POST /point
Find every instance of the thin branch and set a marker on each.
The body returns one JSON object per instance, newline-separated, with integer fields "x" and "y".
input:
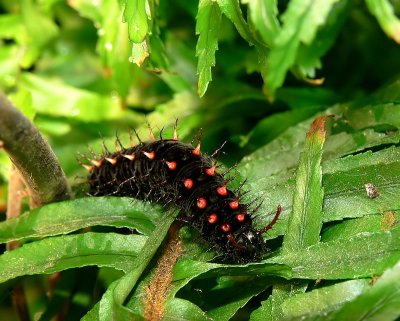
{"x": 32, "y": 155}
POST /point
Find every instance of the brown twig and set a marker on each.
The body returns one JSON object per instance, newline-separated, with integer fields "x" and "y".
{"x": 32, "y": 155}
{"x": 157, "y": 290}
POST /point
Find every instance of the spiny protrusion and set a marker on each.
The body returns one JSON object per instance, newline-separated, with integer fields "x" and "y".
{"x": 234, "y": 204}
{"x": 150, "y": 155}
{"x": 175, "y": 136}
{"x": 196, "y": 151}
{"x": 87, "y": 167}
{"x": 188, "y": 183}
{"x": 96, "y": 162}
{"x": 240, "y": 217}
{"x": 211, "y": 171}
{"x": 201, "y": 203}
{"x": 222, "y": 190}
{"x": 152, "y": 137}
{"x": 118, "y": 144}
{"x": 225, "y": 227}
{"x": 131, "y": 157}
{"x": 113, "y": 161}
{"x": 212, "y": 218}
{"x": 171, "y": 165}
{"x": 132, "y": 144}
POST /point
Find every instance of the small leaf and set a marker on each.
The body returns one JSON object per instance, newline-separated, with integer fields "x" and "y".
{"x": 300, "y": 23}
{"x": 136, "y": 17}
{"x": 264, "y": 15}
{"x": 64, "y": 252}
{"x": 384, "y": 12}
{"x": 68, "y": 216}
{"x": 207, "y": 27}
{"x": 305, "y": 221}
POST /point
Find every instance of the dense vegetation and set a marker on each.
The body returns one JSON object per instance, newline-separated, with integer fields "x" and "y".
{"x": 253, "y": 73}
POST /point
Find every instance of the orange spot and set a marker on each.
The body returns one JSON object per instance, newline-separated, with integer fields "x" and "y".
{"x": 211, "y": 171}
{"x": 188, "y": 183}
{"x": 171, "y": 165}
{"x": 225, "y": 227}
{"x": 96, "y": 163}
{"x": 196, "y": 151}
{"x": 222, "y": 190}
{"x": 201, "y": 202}
{"x": 234, "y": 205}
{"x": 150, "y": 155}
{"x": 113, "y": 161}
{"x": 240, "y": 217}
{"x": 213, "y": 218}
{"x": 130, "y": 157}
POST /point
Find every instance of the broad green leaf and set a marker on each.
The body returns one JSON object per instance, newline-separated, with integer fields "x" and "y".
{"x": 352, "y": 227}
{"x": 207, "y": 27}
{"x": 271, "y": 309}
{"x": 325, "y": 299}
{"x": 179, "y": 309}
{"x": 81, "y": 104}
{"x": 68, "y": 216}
{"x": 264, "y": 16}
{"x": 65, "y": 252}
{"x": 305, "y": 220}
{"x": 359, "y": 256}
{"x": 385, "y": 14}
{"x": 379, "y": 302}
{"x": 231, "y": 294}
{"x": 301, "y": 21}
{"x": 135, "y": 16}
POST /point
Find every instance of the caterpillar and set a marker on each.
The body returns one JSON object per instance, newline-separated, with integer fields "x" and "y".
{"x": 169, "y": 171}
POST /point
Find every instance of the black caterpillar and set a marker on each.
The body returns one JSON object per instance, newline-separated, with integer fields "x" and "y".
{"x": 169, "y": 171}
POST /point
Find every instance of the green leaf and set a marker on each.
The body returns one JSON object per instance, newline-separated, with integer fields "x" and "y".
{"x": 301, "y": 21}
{"x": 81, "y": 104}
{"x": 68, "y": 216}
{"x": 305, "y": 221}
{"x": 264, "y": 16}
{"x": 232, "y": 10}
{"x": 385, "y": 14}
{"x": 359, "y": 256}
{"x": 179, "y": 309}
{"x": 64, "y": 252}
{"x": 379, "y": 302}
{"x": 112, "y": 300}
{"x": 136, "y": 16}
{"x": 207, "y": 27}
{"x": 324, "y": 299}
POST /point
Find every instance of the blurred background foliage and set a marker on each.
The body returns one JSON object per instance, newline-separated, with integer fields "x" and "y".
{"x": 244, "y": 71}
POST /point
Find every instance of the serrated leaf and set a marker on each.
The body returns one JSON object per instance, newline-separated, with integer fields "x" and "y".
{"x": 264, "y": 16}
{"x": 324, "y": 299}
{"x": 380, "y": 302}
{"x": 64, "y": 252}
{"x": 301, "y": 21}
{"x": 136, "y": 17}
{"x": 385, "y": 14}
{"x": 68, "y": 216}
{"x": 231, "y": 9}
{"x": 207, "y": 27}
{"x": 360, "y": 256}
{"x": 305, "y": 220}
